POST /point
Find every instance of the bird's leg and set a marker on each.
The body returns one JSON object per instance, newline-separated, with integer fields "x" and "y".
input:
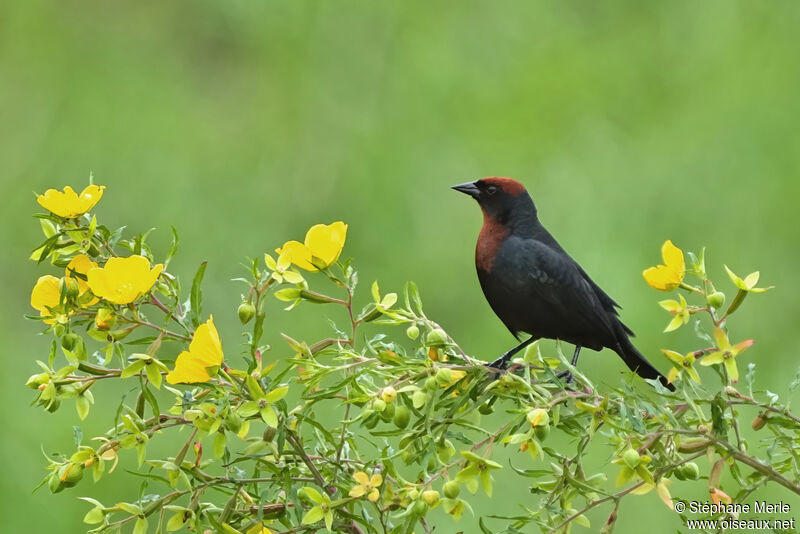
{"x": 500, "y": 363}
{"x": 567, "y": 374}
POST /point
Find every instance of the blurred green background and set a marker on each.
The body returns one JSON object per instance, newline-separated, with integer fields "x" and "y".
{"x": 243, "y": 123}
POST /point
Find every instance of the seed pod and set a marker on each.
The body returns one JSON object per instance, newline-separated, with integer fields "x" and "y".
{"x": 431, "y": 497}
{"x": 246, "y": 312}
{"x": 451, "y": 489}
{"x": 444, "y": 376}
{"x": 431, "y": 384}
{"x": 388, "y": 413}
{"x": 402, "y": 416}
{"x": 420, "y": 508}
{"x": 690, "y": 471}
{"x": 412, "y": 332}
{"x": 436, "y": 337}
{"x": 631, "y": 458}
{"x": 716, "y": 300}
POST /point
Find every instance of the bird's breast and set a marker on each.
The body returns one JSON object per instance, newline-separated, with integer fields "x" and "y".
{"x": 489, "y": 241}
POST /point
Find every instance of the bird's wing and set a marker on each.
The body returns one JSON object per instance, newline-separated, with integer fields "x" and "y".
{"x": 558, "y": 282}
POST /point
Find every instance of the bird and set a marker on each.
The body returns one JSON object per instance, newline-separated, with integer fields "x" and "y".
{"x": 535, "y": 287}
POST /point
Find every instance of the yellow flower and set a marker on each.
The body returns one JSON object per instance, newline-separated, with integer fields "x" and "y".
{"x": 680, "y": 310}
{"x": 684, "y": 364}
{"x": 46, "y": 296}
{"x": 68, "y": 203}
{"x": 669, "y": 275}
{"x": 80, "y": 265}
{"x": 205, "y": 350}
{"x": 323, "y": 244}
{"x": 123, "y": 280}
{"x": 726, "y": 354}
{"x": 366, "y": 486}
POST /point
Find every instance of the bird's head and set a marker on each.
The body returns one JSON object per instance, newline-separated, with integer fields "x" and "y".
{"x": 502, "y": 199}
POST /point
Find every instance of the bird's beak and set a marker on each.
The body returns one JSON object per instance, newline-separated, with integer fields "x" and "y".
{"x": 468, "y": 188}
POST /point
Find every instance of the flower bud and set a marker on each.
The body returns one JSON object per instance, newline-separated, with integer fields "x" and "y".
{"x": 437, "y": 336}
{"x": 413, "y": 494}
{"x": 104, "y": 319}
{"x": 716, "y": 299}
{"x": 69, "y": 341}
{"x": 37, "y": 380}
{"x": 631, "y": 458}
{"x": 451, "y": 489}
{"x": 401, "y": 416}
{"x": 431, "y": 497}
{"x": 269, "y": 433}
{"x": 538, "y": 417}
{"x": 412, "y": 332}
{"x": 759, "y": 422}
{"x": 246, "y": 312}
{"x": 69, "y": 286}
{"x": 70, "y": 474}
{"x": 388, "y": 394}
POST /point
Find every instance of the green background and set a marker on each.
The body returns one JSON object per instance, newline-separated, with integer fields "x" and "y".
{"x": 243, "y": 123}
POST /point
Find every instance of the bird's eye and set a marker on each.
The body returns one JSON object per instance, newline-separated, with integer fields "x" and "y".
{"x": 491, "y": 190}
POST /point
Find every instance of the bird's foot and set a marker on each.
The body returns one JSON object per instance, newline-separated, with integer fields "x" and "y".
{"x": 567, "y": 377}
{"x": 500, "y": 363}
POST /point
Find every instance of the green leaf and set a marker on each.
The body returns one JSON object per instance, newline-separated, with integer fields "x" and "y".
{"x": 247, "y": 409}
{"x": 130, "y": 508}
{"x": 313, "y": 495}
{"x": 141, "y": 526}
{"x": 93, "y": 516}
{"x": 313, "y": 515}
{"x": 196, "y": 296}
{"x": 269, "y": 416}
{"x": 277, "y": 394}
{"x": 82, "y": 405}
{"x": 219, "y": 445}
{"x": 176, "y": 522}
{"x": 132, "y": 369}
{"x": 173, "y": 247}
{"x": 153, "y": 374}
{"x": 376, "y": 292}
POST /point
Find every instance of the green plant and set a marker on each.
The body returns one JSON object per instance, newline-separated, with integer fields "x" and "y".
{"x": 260, "y": 452}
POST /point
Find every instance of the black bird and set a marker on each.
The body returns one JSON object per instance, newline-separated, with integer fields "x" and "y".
{"x": 535, "y": 287}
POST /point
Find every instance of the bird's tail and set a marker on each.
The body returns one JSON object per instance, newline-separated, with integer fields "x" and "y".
{"x": 638, "y": 363}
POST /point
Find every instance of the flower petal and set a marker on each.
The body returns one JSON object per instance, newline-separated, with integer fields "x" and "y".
{"x": 299, "y": 253}
{"x": 661, "y": 278}
{"x": 733, "y": 370}
{"x": 361, "y": 477}
{"x": 721, "y": 338}
{"x": 673, "y": 257}
{"x": 711, "y": 359}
